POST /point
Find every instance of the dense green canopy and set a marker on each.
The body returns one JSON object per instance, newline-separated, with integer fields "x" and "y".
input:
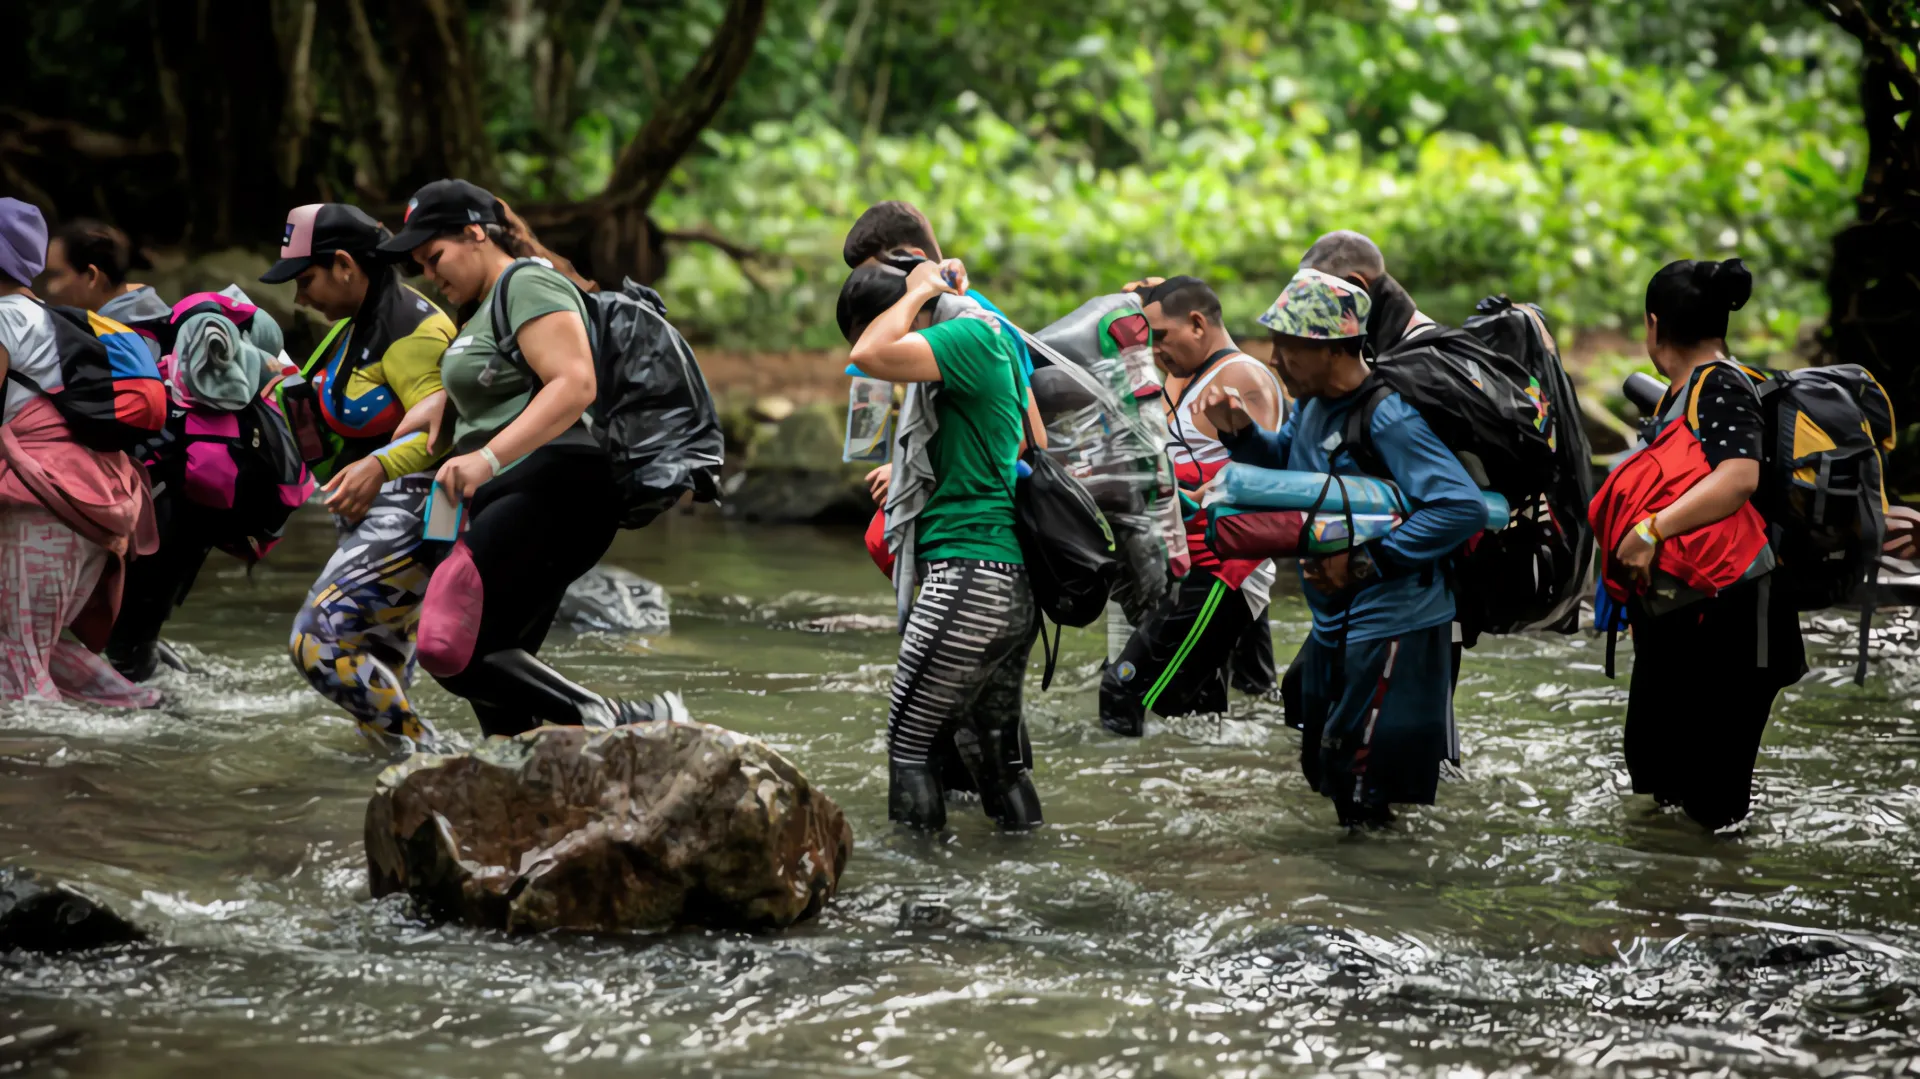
{"x": 1555, "y": 149}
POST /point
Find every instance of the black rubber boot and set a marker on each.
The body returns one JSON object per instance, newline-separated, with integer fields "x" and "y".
{"x": 135, "y": 662}
{"x": 514, "y": 681}
{"x": 513, "y": 692}
{"x": 1008, "y": 795}
{"x": 914, "y": 797}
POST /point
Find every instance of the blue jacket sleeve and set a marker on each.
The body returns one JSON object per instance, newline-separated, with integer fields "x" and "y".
{"x": 1447, "y": 508}
{"x": 1260, "y": 447}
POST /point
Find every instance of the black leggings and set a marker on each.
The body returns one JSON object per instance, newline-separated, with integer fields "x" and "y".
{"x": 530, "y": 534}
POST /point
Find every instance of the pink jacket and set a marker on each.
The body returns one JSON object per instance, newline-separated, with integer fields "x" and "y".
{"x": 102, "y": 496}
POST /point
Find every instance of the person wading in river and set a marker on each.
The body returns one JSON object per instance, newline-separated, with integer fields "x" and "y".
{"x": 87, "y": 267}
{"x": 353, "y": 639}
{"x": 899, "y": 228}
{"x": 1178, "y": 660}
{"x": 972, "y": 625}
{"x": 1376, "y": 681}
{"x": 70, "y": 516}
{"x": 536, "y": 484}
{"x": 1702, "y": 687}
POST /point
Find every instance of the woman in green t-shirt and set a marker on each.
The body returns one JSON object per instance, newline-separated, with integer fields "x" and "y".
{"x": 964, "y": 652}
{"x": 536, "y": 483}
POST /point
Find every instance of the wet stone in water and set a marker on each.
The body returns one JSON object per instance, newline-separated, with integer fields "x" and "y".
{"x": 647, "y": 827}
{"x": 40, "y": 915}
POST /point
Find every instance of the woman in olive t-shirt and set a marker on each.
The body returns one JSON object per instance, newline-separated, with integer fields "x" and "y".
{"x": 535, "y": 482}
{"x": 965, "y": 649}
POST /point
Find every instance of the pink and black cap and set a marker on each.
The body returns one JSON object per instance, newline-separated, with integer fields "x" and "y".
{"x": 317, "y": 230}
{"x": 440, "y": 207}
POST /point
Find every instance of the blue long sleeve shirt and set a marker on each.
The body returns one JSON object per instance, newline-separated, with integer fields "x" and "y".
{"x": 1446, "y": 511}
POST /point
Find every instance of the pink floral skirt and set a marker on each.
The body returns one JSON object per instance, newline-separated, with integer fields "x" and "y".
{"x": 47, "y": 572}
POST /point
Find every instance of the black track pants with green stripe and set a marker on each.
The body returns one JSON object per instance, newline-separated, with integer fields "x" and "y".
{"x": 1177, "y": 662}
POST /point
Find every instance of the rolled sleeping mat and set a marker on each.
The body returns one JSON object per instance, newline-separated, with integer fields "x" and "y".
{"x": 1246, "y": 487}
{"x": 1252, "y": 534}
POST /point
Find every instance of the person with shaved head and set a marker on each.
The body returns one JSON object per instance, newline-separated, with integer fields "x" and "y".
{"x": 1353, "y": 256}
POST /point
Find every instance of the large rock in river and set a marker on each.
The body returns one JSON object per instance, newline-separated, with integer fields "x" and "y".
{"x": 40, "y": 915}
{"x": 645, "y": 827}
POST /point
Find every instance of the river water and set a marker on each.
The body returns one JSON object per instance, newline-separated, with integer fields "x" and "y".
{"x": 1189, "y": 910}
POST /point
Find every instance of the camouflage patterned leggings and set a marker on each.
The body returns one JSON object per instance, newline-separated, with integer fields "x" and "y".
{"x": 354, "y": 637}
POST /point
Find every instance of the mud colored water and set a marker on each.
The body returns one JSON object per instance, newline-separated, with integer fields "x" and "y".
{"x": 1189, "y": 910}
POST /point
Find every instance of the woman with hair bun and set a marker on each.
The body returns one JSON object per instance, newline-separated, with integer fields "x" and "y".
{"x": 1712, "y": 648}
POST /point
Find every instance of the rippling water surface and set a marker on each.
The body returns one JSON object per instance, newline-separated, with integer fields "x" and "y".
{"x": 1189, "y": 910}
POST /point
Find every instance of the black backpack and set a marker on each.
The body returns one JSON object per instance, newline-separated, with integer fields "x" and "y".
{"x": 653, "y": 411}
{"x": 1550, "y": 543}
{"x": 1822, "y": 488}
{"x": 1490, "y": 410}
{"x": 1065, "y": 541}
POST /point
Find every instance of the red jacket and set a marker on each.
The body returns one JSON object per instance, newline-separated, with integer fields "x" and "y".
{"x": 1706, "y": 559}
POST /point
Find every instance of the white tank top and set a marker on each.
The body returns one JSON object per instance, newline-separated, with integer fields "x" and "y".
{"x": 1193, "y": 446}
{"x": 1190, "y": 444}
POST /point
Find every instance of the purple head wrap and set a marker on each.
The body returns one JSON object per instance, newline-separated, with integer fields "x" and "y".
{"x": 23, "y": 241}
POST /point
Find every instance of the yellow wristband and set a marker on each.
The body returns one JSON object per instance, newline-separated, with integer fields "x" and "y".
{"x": 1646, "y": 531}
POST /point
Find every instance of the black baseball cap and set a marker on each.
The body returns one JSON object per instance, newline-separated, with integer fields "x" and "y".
{"x": 319, "y": 229}
{"x": 443, "y": 206}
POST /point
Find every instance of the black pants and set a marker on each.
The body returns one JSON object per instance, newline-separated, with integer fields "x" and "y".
{"x": 1251, "y": 669}
{"x": 531, "y": 533}
{"x": 1700, "y": 698}
{"x": 157, "y": 583}
{"x": 1176, "y": 663}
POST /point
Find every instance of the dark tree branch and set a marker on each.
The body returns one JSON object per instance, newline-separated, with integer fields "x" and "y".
{"x": 1883, "y": 49}
{"x": 25, "y": 131}
{"x": 742, "y": 256}
{"x": 678, "y": 120}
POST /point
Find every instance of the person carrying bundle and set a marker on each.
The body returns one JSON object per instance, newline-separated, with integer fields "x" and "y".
{"x": 1377, "y": 669}
{"x": 1177, "y": 662}
{"x": 1715, "y": 633}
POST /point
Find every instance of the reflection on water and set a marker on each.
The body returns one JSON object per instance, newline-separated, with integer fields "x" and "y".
{"x": 1190, "y": 909}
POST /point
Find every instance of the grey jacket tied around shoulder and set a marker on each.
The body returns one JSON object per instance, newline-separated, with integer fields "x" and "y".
{"x": 913, "y": 477}
{"x": 222, "y": 367}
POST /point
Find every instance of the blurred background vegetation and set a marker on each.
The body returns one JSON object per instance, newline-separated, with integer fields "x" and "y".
{"x": 1559, "y": 150}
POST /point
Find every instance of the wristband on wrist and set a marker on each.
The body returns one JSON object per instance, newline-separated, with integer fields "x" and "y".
{"x": 493, "y": 462}
{"x": 1648, "y": 531}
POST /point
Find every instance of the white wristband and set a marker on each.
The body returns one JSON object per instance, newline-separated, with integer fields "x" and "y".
{"x": 493, "y": 462}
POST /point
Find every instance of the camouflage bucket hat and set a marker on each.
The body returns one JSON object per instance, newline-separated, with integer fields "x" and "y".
{"x": 1319, "y": 307}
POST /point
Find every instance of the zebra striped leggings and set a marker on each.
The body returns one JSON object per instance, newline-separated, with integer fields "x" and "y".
{"x": 962, "y": 658}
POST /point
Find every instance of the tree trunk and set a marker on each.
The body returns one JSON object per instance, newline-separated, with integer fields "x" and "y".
{"x": 223, "y": 93}
{"x": 443, "y": 131}
{"x": 1874, "y": 283}
{"x": 610, "y": 236}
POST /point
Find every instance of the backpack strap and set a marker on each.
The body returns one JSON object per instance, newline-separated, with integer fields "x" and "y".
{"x": 1356, "y": 436}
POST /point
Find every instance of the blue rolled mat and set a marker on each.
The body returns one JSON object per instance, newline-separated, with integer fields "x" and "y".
{"x": 1248, "y": 487}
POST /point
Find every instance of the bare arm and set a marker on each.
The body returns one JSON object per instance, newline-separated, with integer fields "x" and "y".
{"x": 1033, "y": 419}
{"x": 889, "y": 349}
{"x": 1259, "y": 397}
{"x": 1719, "y": 496}
{"x": 555, "y": 346}
{"x": 1713, "y": 499}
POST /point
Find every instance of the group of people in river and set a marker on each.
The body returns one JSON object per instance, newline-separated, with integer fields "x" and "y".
{"x": 402, "y": 415}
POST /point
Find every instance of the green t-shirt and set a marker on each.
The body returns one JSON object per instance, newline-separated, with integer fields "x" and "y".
{"x": 970, "y": 512}
{"x": 487, "y": 389}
